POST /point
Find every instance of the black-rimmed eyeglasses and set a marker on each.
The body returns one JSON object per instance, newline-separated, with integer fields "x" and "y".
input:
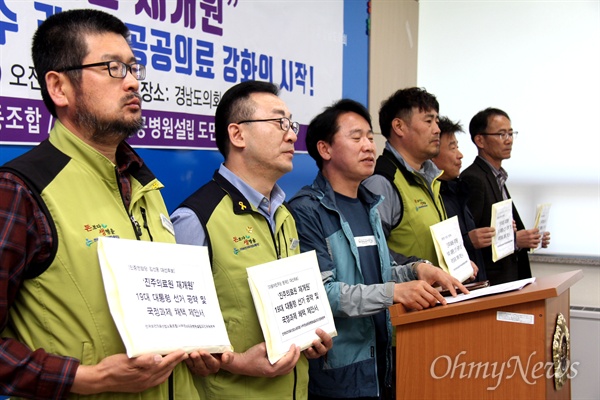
{"x": 284, "y": 122}
{"x": 503, "y": 135}
{"x": 116, "y": 69}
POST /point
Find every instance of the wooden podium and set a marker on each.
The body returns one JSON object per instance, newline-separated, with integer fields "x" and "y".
{"x": 493, "y": 347}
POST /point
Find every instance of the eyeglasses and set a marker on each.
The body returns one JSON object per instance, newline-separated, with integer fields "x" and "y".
{"x": 284, "y": 122}
{"x": 116, "y": 69}
{"x": 503, "y": 135}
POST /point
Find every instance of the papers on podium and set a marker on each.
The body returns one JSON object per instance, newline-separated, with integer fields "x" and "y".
{"x": 450, "y": 249}
{"x": 541, "y": 221}
{"x": 162, "y": 296}
{"x": 290, "y": 302}
{"x": 503, "y": 244}
{"x": 494, "y": 289}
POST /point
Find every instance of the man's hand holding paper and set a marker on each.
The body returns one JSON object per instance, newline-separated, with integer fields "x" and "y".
{"x": 202, "y": 363}
{"x": 541, "y": 222}
{"x": 254, "y": 362}
{"x": 528, "y": 238}
{"x": 546, "y": 239}
{"x": 482, "y": 237}
{"x": 320, "y": 346}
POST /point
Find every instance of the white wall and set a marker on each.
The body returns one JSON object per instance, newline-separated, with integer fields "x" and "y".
{"x": 540, "y": 62}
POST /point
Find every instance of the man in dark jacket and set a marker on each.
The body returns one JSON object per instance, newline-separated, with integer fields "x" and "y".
{"x": 492, "y": 133}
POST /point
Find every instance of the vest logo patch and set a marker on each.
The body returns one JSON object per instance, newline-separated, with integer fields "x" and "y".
{"x": 98, "y": 230}
{"x": 420, "y": 203}
{"x": 244, "y": 242}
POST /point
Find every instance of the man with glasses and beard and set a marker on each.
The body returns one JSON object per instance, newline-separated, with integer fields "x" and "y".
{"x": 83, "y": 182}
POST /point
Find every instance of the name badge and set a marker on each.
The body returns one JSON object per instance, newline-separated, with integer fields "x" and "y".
{"x": 365, "y": 241}
{"x": 167, "y": 224}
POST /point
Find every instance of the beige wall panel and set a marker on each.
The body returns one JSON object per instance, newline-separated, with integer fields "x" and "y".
{"x": 392, "y": 52}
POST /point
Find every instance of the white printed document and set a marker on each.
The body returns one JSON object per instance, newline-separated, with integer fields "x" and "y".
{"x": 449, "y": 247}
{"x": 503, "y": 244}
{"x": 162, "y": 296}
{"x": 494, "y": 289}
{"x": 541, "y": 221}
{"x": 291, "y": 303}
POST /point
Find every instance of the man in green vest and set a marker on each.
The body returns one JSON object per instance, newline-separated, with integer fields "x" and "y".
{"x": 58, "y": 337}
{"x": 241, "y": 216}
{"x": 406, "y": 176}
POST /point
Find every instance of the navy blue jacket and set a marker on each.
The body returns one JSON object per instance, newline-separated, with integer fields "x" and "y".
{"x": 455, "y": 196}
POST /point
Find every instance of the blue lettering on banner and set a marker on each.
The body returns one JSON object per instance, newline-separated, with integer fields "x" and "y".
{"x": 161, "y": 60}
{"x": 7, "y": 26}
{"x": 183, "y": 55}
{"x": 47, "y": 9}
{"x": 204, "y": 58}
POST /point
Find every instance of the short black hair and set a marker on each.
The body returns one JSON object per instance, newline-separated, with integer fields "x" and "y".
{"x": 401, "y": 104}
{"x": 60, "y": 42}
{"x": 325, "y": 125}
{"x": 479, "y": 122}
{"x": 235, "y": 106}
{"x": 447, "y": 126}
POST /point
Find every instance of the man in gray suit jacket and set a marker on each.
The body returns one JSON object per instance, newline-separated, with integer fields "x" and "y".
{"x": 492, "y": 133}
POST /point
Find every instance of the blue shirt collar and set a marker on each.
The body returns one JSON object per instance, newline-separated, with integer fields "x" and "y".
{"x": 260, "y": 202}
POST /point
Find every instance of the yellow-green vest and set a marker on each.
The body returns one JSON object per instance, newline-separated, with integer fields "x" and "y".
{"x": 422, "y": 206}
{"x": 64, "y": 309}
{"x": 240, "y": 237}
